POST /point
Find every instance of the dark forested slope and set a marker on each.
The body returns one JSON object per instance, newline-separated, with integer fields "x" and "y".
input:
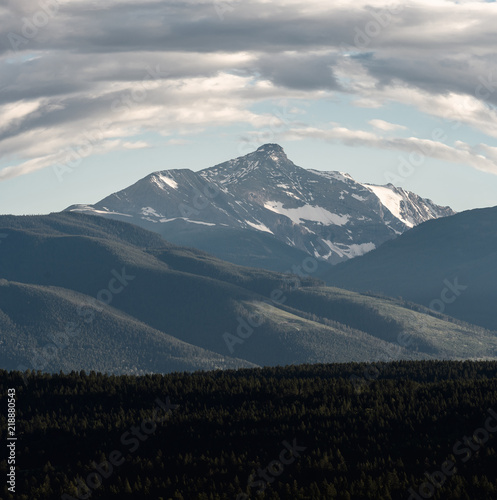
{"x": 350, "y": 431}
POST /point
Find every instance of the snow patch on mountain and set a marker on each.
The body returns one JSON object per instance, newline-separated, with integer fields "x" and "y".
{"x": 337, "y": 176}
{"x": 350, "y": 251}
{"x": 200, "y": 222}
{"x": 161, "y": 179}
{"x": 92, "y": 210}
{"x": 307, "y": 213}
{"x": 188, "y": 220}
{"x": 260, "y": 226}
{"x": 391, "y": 200}
{"x": 150, "y": 211}
{"x": 358, "y": 198}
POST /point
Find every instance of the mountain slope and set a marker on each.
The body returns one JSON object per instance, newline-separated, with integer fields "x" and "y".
{"x": 279, "y": 208}
{"x": 234, "y": 315}
{"x": 52, "y": 329}
{"x": 449, "y": 263}
{"x": 419, "y": 329}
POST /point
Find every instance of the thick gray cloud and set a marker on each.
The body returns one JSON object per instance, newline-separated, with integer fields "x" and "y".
{"x": 304, "y": 72}
{"x": 473, "y": 76}
{"x": 65, "y": 64}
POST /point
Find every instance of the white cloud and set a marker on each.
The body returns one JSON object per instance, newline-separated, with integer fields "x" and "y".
{"x": 86, "y": 68}
{"x": 136, "y": 145}
{"x": 386, "y": 126}
{"x": 428, "y": 148}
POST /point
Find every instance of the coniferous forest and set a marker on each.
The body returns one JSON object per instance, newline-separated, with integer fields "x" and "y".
{"x": 403, "y": 430}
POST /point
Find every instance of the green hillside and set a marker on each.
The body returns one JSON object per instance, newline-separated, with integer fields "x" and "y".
{"x": 52, "y": 329}
{"x": 448, "y": 263}
{"x": 260, "y": 317}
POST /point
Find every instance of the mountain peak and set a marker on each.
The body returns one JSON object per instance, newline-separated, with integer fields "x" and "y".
{"x": 273, "y": 151}
{"x": 267, "y": 159}
{"x": 270, "y": 151}
{"x": 270, "y": 148}
{"x": 265, "y": 191}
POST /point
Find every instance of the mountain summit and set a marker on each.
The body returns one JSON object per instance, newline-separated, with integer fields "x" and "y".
{"x": 269, "y": 160}
{"x": 274, "y": 206}
{"x": 272, "y": 150}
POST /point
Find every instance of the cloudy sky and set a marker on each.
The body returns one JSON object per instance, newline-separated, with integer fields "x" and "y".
{"x": 96, "y": 94}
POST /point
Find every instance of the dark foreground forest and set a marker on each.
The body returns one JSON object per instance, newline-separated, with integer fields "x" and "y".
{"x": 404, "y": 430}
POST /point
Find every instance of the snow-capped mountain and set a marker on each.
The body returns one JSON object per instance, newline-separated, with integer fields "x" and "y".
{"x": 325, "y": 214}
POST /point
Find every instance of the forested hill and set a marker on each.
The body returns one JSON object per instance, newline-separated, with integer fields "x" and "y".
{"x": 81, "y": 292}
{"x": 347, "y": 431}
